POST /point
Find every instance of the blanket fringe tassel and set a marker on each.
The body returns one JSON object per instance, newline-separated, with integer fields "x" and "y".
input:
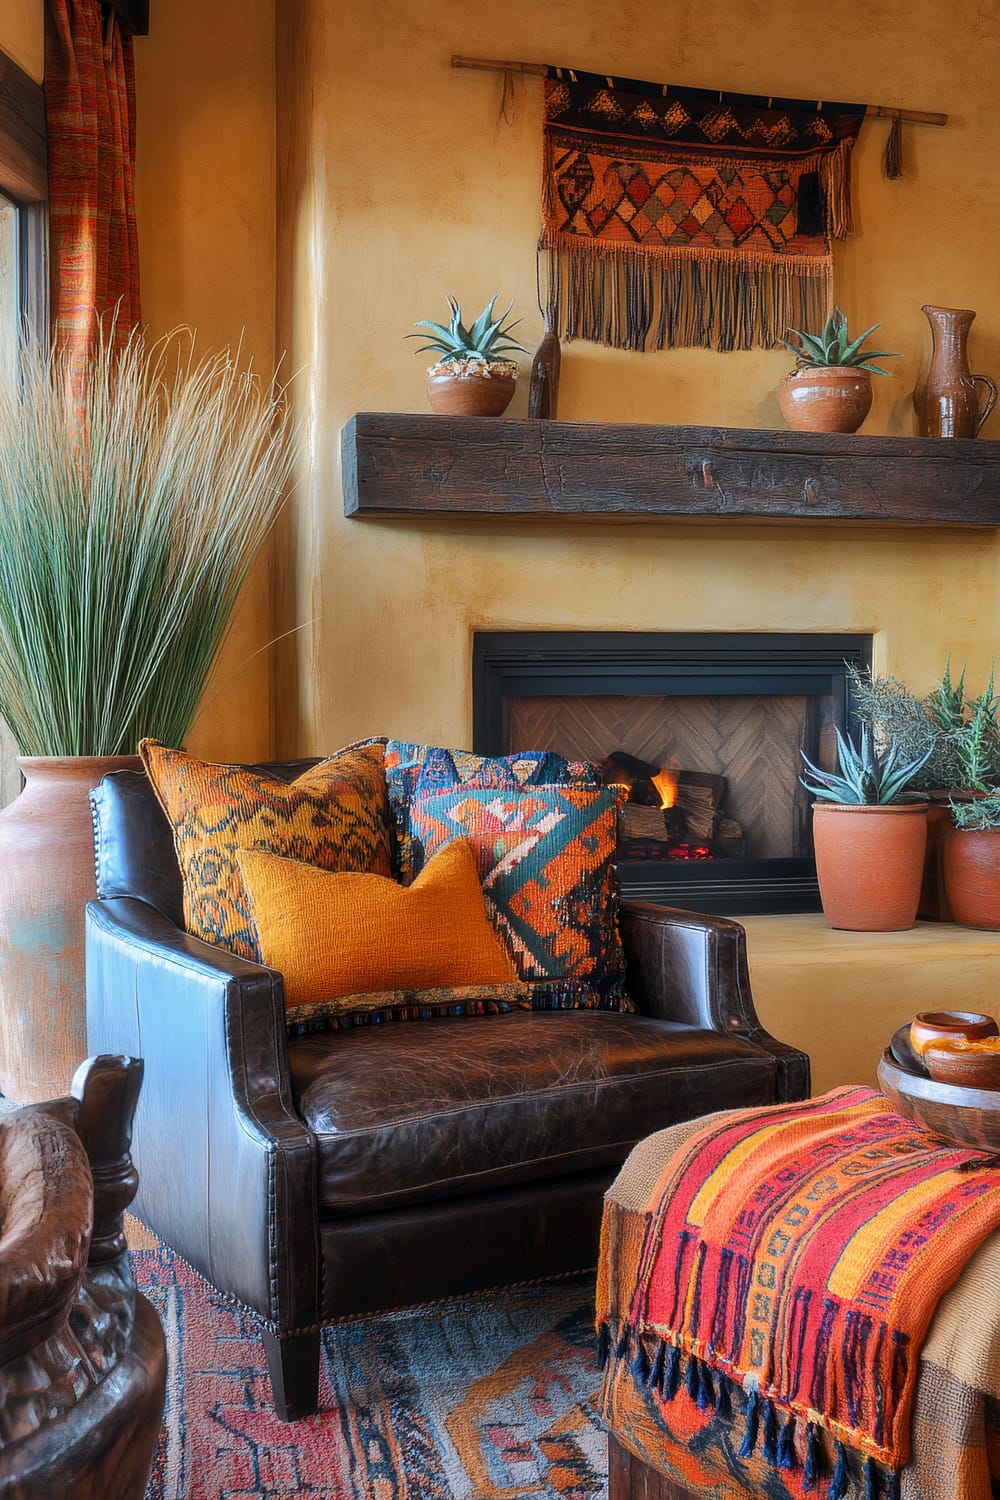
{"x": 625, "y": 300}
{"x": 667, "y": 1369}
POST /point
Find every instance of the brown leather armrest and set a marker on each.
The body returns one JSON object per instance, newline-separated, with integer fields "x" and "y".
{"x": 217, "y": 1139}
{"x": 683, "y": 966}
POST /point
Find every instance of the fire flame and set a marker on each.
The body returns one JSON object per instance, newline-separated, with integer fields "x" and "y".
{"x": 666, "y": 784}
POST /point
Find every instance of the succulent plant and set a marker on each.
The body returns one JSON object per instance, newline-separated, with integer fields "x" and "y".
{"x": 946, "y": 702}
{"x": 834, "y": 346}
{"x": 488, "y": 339}
{"x": 975, "y": 739}
{"x": 979, "y": 813}
{"x": 867, "y": 776}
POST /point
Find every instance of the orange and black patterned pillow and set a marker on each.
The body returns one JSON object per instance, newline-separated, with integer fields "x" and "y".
{"x": 412, "y": 770}
{"x": 335, "y": 815}
{"x": 545, "y": 856}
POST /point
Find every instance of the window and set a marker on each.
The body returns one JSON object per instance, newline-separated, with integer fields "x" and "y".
{"x": 10, "y": 313}
{"x": 23, "y": 260}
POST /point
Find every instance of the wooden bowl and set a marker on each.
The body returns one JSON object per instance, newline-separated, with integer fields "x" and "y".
{"x": 973, "y": 1064}
{"x": 969, "y": 1117}
{"x": 949, "y": 1025}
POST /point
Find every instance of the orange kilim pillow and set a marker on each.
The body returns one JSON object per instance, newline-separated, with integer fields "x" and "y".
{"x": 334, "y": 816}
{"x": 344, "y": 935}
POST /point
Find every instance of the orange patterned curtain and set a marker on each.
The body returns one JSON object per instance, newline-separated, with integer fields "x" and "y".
{"x": 90, "y": 103}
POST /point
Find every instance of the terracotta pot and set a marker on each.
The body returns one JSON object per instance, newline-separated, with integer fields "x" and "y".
{"x": 870, "y": 863}
{"x": 470, "y": 395}
{"x": 947, "y": 402}
{"x": 932, "y": 1026}
{"x": 971, "y": 1065}
{"x": 834, "y": 398}
{"x": 933, "y": 905}
{"x": 970, "y": 860}
{"x": 46, "y": 879}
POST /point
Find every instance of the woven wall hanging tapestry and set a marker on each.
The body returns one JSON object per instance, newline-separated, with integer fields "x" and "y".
{"x": 686, "y": 217}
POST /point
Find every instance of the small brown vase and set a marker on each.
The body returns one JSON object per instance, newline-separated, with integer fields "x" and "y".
{"x": 870, "y": 863}
{"x": 46, "y": 879}
{"x": 833, "y": 398}
{"x": 470, "y": 395}
{"x": 970, "y": 860}
{"x": 947, "y": 402}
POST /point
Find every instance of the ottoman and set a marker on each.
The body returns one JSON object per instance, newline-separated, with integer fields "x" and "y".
{"x": 673, "y": 1450}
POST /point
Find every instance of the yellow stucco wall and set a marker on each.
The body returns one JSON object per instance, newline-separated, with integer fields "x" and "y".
{"x": 205, "y": 204}
{"x": 22, "y": 34}
{"x": 398, "y": 184}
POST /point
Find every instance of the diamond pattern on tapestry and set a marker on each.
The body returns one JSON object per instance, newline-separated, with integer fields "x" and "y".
{"x": 683, "y": 217}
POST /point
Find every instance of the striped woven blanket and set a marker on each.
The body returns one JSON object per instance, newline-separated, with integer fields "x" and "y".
{"x": 792, "y": 1261}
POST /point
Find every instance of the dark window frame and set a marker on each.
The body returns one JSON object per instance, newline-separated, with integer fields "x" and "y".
{"x": 24, "y": 179}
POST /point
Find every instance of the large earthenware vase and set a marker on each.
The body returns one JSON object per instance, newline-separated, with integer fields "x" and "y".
{"x": 46, "y": 880}
{"x": 947, "y": 402}
{"x": 970, "y": 861}
{"x": 831, "y": 398}
{"x": 870, "y": 863}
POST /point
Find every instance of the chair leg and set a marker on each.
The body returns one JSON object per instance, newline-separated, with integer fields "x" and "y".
{"x": 630, "y": 1479}
{"x": 293, "y": 1365}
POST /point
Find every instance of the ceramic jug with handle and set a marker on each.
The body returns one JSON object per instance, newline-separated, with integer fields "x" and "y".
{"x": 948, "y": 402}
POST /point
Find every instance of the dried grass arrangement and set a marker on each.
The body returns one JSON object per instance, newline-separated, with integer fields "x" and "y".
{"x": 133, "y": 501}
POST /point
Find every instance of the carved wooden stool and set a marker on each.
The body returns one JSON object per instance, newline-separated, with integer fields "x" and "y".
{"x": 82, "y": 1357}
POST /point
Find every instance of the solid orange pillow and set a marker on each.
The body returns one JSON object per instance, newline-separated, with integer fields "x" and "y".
{"x": 339, "y": 933}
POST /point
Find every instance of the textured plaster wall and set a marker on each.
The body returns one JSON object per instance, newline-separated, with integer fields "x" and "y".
{"x": 205, "y": 203}
{"x": 397, "y": 184}
{"x": 22, "y": 34}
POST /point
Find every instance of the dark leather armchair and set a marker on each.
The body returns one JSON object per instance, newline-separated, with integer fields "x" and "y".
{"x": 321, "y": 1177}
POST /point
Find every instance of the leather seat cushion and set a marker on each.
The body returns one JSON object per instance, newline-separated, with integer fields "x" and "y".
{"x": 442, "y": 1108}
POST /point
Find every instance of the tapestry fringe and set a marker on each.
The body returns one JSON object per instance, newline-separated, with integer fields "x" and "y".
{"x": 835, "y": 176}
{"x": 682, "y": 299}
{"x": 892, "y": 157}
{"x": 766, "y": 1426}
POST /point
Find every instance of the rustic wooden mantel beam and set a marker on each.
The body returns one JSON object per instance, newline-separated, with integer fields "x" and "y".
{"x": 399, "y": 464}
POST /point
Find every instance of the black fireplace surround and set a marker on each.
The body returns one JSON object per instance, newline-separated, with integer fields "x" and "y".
{"x": 513, "y": 665}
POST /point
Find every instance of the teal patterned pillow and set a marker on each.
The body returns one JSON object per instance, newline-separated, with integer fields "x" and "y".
{"x": 412, "y": 769}
{"x": 545, "y": 857}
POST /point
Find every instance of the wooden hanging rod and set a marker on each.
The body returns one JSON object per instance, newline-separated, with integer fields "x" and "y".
{"x": 881, "y": 111}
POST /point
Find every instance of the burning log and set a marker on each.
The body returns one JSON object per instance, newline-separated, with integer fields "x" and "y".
{"x": 671, "y": 814}
{"x": 659, "y": 823}
{"x": 620, "y": 769}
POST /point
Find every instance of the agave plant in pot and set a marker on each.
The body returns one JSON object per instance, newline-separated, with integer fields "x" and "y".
{"x": 474, "y": 376}
{"x": 869, "y": 835}
{"x": 830, "y": 388}
{"x": 134, "y": 495}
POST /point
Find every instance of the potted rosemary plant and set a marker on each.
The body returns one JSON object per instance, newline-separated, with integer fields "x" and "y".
{"x": 970, "y": 856}
{"x": 474, "y": 376}
{"x": 869, "y": 835}
{"x": 959, "y": 731}
{"x": 134, "y": 495}
{"x": 830, "y": 388}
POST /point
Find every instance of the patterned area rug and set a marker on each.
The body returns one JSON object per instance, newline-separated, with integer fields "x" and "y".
{"x": 490, "y": 1398}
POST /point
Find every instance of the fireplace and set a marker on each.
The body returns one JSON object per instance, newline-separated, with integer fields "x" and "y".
{"x": 702, "y": 731}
